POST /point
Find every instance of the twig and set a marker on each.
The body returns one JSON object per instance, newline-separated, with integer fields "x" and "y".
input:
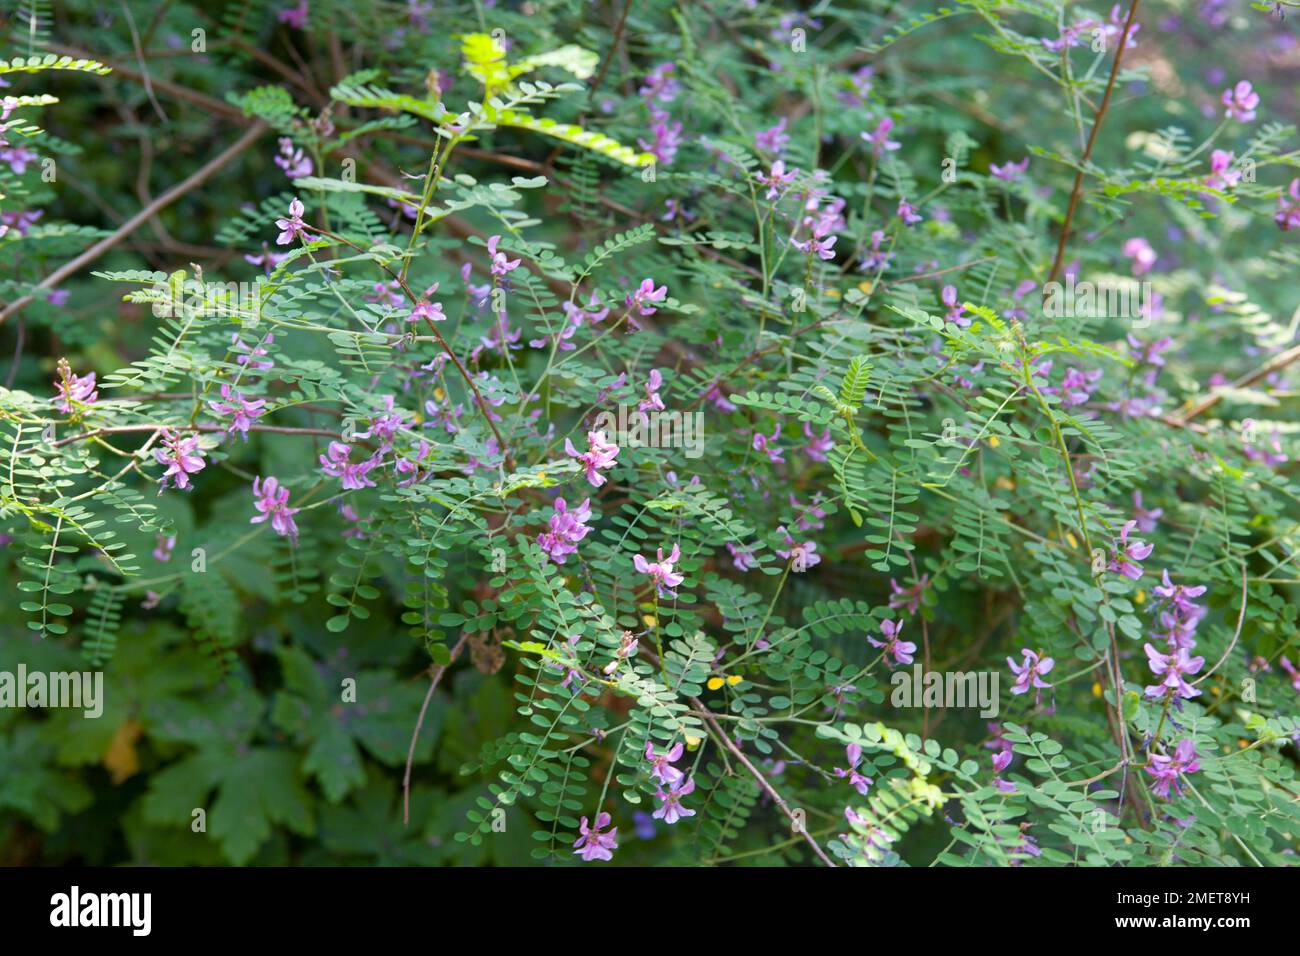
{"x": 1092, "y": 140}
{"x": 435, "y": 677}
{"x": 762, "y": 781}
{"x": 196, "y": 179}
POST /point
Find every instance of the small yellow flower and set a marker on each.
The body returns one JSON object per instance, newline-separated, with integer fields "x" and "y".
{"x": 693, "y": 743}
{"x": 994, "y": 441}
{"x": 1096, "y": 688}
{"x": 716, "y": 682}
{"x": 1140, "y": 597}
{"x": 1074, "y": 542}
{"x": 648, "y": 620}
{"x": 865, "y": 286}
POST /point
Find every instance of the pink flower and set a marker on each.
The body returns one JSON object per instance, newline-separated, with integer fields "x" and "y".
{"x": 500, "y": 264}
{"x": 293, "y": 227}
{"x": 661, "y": 765}
{"x": 353, "y": 477}
{"x": 879, "y": 138}
{"x": 652, "y": 401}
{"x": 820, "y": 243}
{"x": 1287, "y": 216}
{"x": 1168, "y": 770}
{"x": 272, "y": 501}
{"x": 1172, "y": 666}
{"x": 592, "y": 844}
{"x": 767, "y": 444}
{"x": 292, "y": 161}
{"x": 1009, "y": 172}
{"x": 1143, "y": 256}
{"x": 567, "y": 528}
{"x": 1222, "y": 175}
{"x": 1127, "y": 554}
{"x": 1029, "y": 671}
{"x": 1146, "y": 517}
{"x": 426, "y": 309}
{"x": 671, "y": 810}
{"x": 644, "y": 295}
{"x": 772, "y": 139}
{"x": 908, "y": 213}
{"x": 1241, "y": 101}
{"x": 182, "y": 456}
{"x": 859, "y": 782}
{"x": 901, "y": 651}
{"x": 242, "y": 411}
{"x": 661, "y": 570}
{"x": 599, "y": 454}
{"x": 777, "y": 180}
{"x": 802, "y": 554}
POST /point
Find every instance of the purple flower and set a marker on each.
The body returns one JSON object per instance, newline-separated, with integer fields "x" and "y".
{"x": 1001, "y": 760}
{"x": 78, "y": 389}
{"x": 427, "y": 309}
{"x": 1172, "y": 667}
{"x": 1168, "y": 770}
{"x": 767, "y": 444}
{"x": 902, "y": 651}
{"x": 1241, "y": 101}
{"x": 567, "y": 529}
{"x": 661, "y": 84}
{"x": 293, "y": 227}
{"x": 856, "y": 780}
{"x": 909, "y": 598}
{"x": 296, "y": 16}
{"x": 182, "y": 456}
{"x": 667, "y": 137}
{"x": 956, "y": 311}
{"x": 593, "y": 844}
{"x": 1127, "y": 554}
{"x": 742, "y": 558}
{"x": 1222, "y": 175}
{"x": 500, "y": 264}
{"x": 877, "y": 260}
{"x": 802, "y": 554}
{"x": 820, "y": 243}
{"x": 272, "y": 501}
{"x": 652, "y": 401}
{"x": 353, "y": 477}
{"x": 879, "y": 138}
{"x": 242, "y": 411}
{"x": 252, "y": 357}
{"x": 908, "y": 213}
{"x": 1009, "y": 172}
{"x": 599, "y": 454}
{"x": 1029, "y": 672}
{"x": 777, "y": 180}
{"x": 671, "y": 810}
{"x": 644, "y": 295}
{"x": 292, "y": 161}
{"x": 1179, "y": 595}
{"x": 1287, "y": 216}
{"x": 661, "y": 570}
{"x": 661, "y": 765}
{"x": 818, "y": 445}
{"x": 163, "y": 547}
{"x": 1146, "y": 517}
{"x": 772, "y": 139}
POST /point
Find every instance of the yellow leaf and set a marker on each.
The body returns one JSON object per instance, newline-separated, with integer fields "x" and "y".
{"x": 692, "y": 743}
{"x": 120, "y": 759}
{"x": 1074, "y": 542}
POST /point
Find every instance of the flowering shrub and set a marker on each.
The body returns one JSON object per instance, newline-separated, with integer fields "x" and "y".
{"x": 651, "y": 433}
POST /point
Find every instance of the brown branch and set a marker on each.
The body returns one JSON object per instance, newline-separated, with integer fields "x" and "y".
{"x": 757, "y": 774}
{"x": 1276, "y": 363}
{"x": 1092, "y": 140}
{"x": 196, "y": 179}
{"x": 434, "y": 677}
{"x": 124, "y": 429}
